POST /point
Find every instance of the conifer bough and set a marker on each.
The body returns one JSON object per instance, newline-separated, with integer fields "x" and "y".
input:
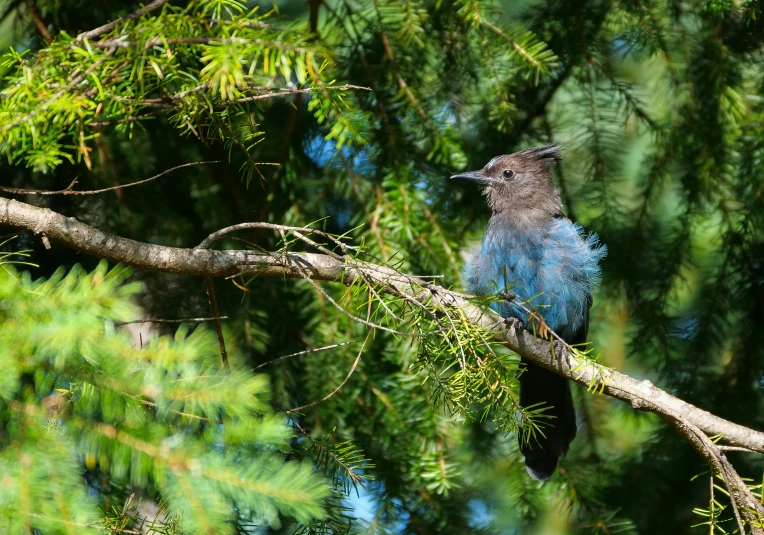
{"x": 694, "y": 424}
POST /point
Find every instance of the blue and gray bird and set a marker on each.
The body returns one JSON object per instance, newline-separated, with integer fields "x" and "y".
{"x": 536, "y": 259}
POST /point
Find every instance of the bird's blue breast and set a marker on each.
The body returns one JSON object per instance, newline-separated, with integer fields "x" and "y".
{"x": 550, "y": 268}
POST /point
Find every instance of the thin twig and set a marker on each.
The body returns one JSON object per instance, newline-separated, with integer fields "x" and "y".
{"x": 110, "y": 26}
{"x": 370, "y": 287}
{"x": 38, "y": 22}
{"x": 179, "y": 413}
{"x": 711, "y": 509}
{"x": 443, "y": 241}
{"x": 286, "y": 91}
{"x": 123, "y": 42}
{"x": 354, "y": 476}
{"x": 69, "y": 191}
{"x": 218, "y": 325}
{"x": 352, "y": 369}
{"x": 297, "y": 231}
{"x": 350, "y": 314}
{"x": 248, "y": 24}
{"x": 234, "y": 138}
{"x": 167, "y": 102}
{"x": 520, "y": 50}
{"x": 401, "y": 82}
{"x": 184, "y": 320}
{"x": 737, "y": 489}
{"x": 305, "y": 352}
{"x": 270, "y": 226}
{"x": 128, "y": 119}
{"x": 42, "y": 106}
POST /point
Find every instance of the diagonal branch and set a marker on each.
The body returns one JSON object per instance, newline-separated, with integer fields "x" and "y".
{"x": 106, "y": 28}
{"x": 42, "y": 28}
{"x": 345, "y": 380}
{"x": 695, "y": 424}
{"x": 641, "y": 395}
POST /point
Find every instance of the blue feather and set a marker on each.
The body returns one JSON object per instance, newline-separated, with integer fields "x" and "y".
{"x": 551, "y": 267}
{"x": 552, "y": 270}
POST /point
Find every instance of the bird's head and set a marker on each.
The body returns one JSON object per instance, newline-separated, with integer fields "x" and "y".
{"x": 520, "y": 182}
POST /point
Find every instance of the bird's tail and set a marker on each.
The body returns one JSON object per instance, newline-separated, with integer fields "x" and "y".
{"x": 558, "y": 422}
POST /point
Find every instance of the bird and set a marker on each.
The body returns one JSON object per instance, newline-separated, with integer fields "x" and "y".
{"x": 543, "y": 268}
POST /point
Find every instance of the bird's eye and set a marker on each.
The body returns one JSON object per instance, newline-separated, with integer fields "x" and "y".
{"x": 508, "y": 173}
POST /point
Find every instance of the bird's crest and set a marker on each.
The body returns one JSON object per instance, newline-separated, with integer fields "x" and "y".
{"x": 545, "y": 152}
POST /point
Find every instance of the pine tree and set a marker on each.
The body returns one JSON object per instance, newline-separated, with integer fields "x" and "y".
{"x": 346, "y": 117}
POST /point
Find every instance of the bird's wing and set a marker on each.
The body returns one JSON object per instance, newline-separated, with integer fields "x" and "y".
{"x": 580, "y": 335}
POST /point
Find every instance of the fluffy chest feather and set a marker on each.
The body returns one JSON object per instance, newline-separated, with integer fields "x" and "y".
{"x": 550, "y": 268}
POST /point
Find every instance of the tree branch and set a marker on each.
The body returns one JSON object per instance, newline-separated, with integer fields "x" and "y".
{"x": 42, "y": 28}
{"x": 695, "y": 424}
{"x": 69, "y": 191}
{"x": 152, "y": 320}
{"x": 106, "y": 28}
{"x": 641, "y": 395}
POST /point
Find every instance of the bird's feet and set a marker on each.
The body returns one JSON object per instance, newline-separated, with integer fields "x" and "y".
{"x": 560, "y": 348}
{"x": 507, "y": 296}
{"x": 539, "y": 325}
{"x": 514, "y": 323}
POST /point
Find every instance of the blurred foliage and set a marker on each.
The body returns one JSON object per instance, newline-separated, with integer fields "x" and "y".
{"x": 77, "y": 394}
{"x": 659, "y": 105}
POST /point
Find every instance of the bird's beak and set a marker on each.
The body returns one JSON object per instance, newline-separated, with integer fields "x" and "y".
{"x": 474, "y": 176}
